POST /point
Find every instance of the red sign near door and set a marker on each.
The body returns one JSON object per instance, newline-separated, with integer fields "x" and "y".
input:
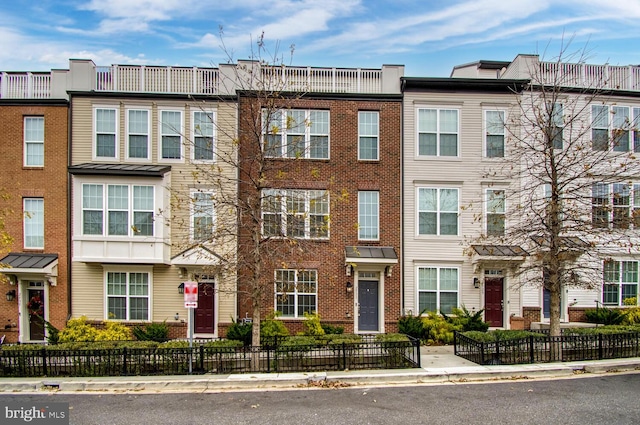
{"x": 191, "y": 295}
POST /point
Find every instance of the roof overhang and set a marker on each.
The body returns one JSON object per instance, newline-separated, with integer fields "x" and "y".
{"x": 131, "y": 170}
{"x": 383, "y": 255}
{"x": 508, "y": 256}
{"x": 197, "y": 256}
{"x": 19, "y": 264}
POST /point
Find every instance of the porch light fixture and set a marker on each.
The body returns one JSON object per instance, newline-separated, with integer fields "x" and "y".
{"x": 349, "y": 286}
{"x": 177, "y": 316}
{"x": 476, "y": 282}
{"x": 181, "y": 288}
{"x": 11, "y": 295}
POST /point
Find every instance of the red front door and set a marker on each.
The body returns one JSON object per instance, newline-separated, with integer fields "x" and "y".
{"x": 204, "y": 314}
{"x": 493, "y": 301}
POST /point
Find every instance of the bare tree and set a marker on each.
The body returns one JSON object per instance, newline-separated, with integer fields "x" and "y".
{"x": 568, "y": 166}
{"x": 259, "y": 147}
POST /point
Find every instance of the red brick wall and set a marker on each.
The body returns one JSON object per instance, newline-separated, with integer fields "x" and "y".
{"x": 530, "y": 314}
{"x": 577, "y": 314}
{"x": 343, "y": 175}
{"x": 50, "y": 183}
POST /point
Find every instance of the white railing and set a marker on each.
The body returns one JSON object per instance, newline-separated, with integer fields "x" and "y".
{"x": 25, "y": 85}
{"x": 331, "y": 80}
{"x": 591, "y": 76}
{"x": 157, "y": 79}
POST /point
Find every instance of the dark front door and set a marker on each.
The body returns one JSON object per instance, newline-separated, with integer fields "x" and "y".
{"x": 204, "y": 314}
{"x": 368, "y": 300}
{"x": 35, "y": 308}
{"x": 493, "y": 301}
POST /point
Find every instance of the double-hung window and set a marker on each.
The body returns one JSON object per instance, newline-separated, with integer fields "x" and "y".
{"x": 368, "y": 136}
{"x": 33, "y": 223}
{"x": 495, "y": 212}
{"x": 127, "y": 295}
{"x": 437, "y": 289}
{"x": 438, "y": 132}
{"x": 611, "y": 133}
{"x": 296, "y": 133}
{"x": 296, "y": 292}
{"x": 636, "y": 130}
{"x": 117, "y": 210}
{"x": 300, "y": 214}
{"x": 105, "y": 125}
{"x": 620, "y": 281}
{"x": 202, "y": 216}
{"x": 621, "y": 123}
{"x": 138, "y": 131}
{"x": 611, "y": 205}
{"x": 34, "y": 141}
{"x": 437, "y": 211}
{"x": 203, "y": 128}
{"x": 557, "y": 125}
{"x": 495, "y": 133}
{"x": 171, "y": 135}
{"x": 369, "y": 215}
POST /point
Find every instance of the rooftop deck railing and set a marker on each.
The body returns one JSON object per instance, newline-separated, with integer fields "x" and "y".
{"x": 591, "y": 76}
{"x": 25, "y": 85}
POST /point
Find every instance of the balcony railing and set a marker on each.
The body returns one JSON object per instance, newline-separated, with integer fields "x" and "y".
{"x": 25, "y": 85}
{"x": 591, "y": 76}
{"x": 331, "y": 80}
{"x": 157, "y": 79}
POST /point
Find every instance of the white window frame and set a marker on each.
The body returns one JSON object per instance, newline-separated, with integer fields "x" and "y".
{"x": 280, "y": 127}
{"x": 614, "y": 203}
{"x": 131, "y": 209}
{"x": 128, "y": 295}
{"x": 278, "y": 198}
{"x": 369, "y": 213}
{"x": 368, "y": 129}
{"x": 438, "y": 131}
{"x": 491, "y": 129}
{"x": 617, "y": 121}
{"x": 438, "y": 211}
{"x": 635, "y": 129}
{"x": 33, "y": 140}
{"x": 33, "y": 223}
{"x": 620, "y": 279}
{"x": 557, "y": 125}
{"x": 114, "y": 132}
{"x": 296, "y": 293}
{"x": 130, "y": 133}
{"x": 196, "y": 213}
{"x": 171, "y": 132}
{"x": 197, "y": 133}
{"x": 490, "y": 194}
{"x": 438, "y": 290}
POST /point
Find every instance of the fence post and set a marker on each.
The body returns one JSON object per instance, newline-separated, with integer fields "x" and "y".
{"x": 201, "y": 358}
{"x": 268, "y": 359}
{"x": 416, "y": 345}
{"x": 531, "y": 351}
{"x": 599, "y": 346}
{"x": 344, "y": 356}
{"x": 455, "y": 343}
{"x": 482, "y": 353}
{"x": 124, "y": 360}
{"x": 44, "y": 361}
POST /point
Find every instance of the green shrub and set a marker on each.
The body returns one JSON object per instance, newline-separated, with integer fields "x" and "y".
{"x": 114, "y": 331}
{"x": 333, "y": 339}
{"x": 312, "y": 324}
{"x": 438, "y": 330}
{"x": 392, "y": 337}
{"x": 174, "y": 344}
{"x": 500, "y": 335}
{"x": 78, "y": 330}
{"x": 632, "y": 316}
{"x": 297, "y": 343}
{"x": 330, "y": 329}
{"x": 631, "y": 301}
{"x": 469, "y": 321}
{"x": 605, "y": 316}
{"x": 271, "y": 327}
{"x": 152, "y": 332}
{"x": 223, "y": 343}
{"x": 413, "y": 326}
{"x": 240, "y": 332}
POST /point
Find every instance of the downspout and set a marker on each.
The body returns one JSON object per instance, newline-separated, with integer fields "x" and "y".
{"x": 401, "y": 271}
{"x": 69, "y": 213}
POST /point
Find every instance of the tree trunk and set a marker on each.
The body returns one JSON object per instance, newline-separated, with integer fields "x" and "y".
{"x": 255, "y": 338}
{"x": 555, "y": 347}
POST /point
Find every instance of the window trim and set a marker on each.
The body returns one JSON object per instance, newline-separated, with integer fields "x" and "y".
{"x": 438, "y": 212}
{"x": 619, "y": 282}
{"x": 129, "y": 133}
{"x": 283, "y": 195}
{"x": 116, "y": 134}
{"x": 487, "y": 212}
{"x": 611, "y": 116}
{"x": 128, "y": 270}
{"x": 295, "y": 292}
{"x": 40, "y": 224}
{"x": 26, "y": 142}
{"x": 179, "y": 133}
{"x": 486, "y": 133}
{"x": 438, "y": 133}
{"x": 610, "y": 206}
{"x": 376, "y": 136}
{"x": 438, "y": 289}
{"x": 212, "y": 113}
{"x": 377, "y": 214}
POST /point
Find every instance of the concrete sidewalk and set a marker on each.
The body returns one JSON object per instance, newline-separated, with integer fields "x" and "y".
{"x": 439, "y": 365}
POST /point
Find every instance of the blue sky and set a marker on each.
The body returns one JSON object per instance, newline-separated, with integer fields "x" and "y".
{"x": 429, "y": 37}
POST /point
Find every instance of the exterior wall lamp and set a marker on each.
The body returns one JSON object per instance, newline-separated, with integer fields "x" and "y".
{"x": 11, "y": 295}
{"x": 349, "y": 286}
{"x": 476, "y": 282}
{"x": 181, "y": 288}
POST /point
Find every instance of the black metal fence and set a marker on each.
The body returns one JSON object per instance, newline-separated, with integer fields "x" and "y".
{"x": 545, "y": 348}
{"x": 369, "y": 354}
